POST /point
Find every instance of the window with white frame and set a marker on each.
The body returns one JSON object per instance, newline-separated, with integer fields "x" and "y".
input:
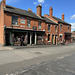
{"x": 49, "y": 27}
{"x": 48, "y": 37}
{"x": 14, "y": 20}
{"x": 39, "y": 24}
{"x": 28, "y": 23}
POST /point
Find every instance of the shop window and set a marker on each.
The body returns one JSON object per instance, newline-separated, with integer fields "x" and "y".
{"x": 39, "y": 25}
{"x": 49, "y": 27}
{"x": 14, "y": 20}
{"x": 60, "y": 38}
{"x": 55, "y": 28}
{"x": 48, "y": 37}
{"x": 28, "y": 23}
{"x": 60, "y": 27}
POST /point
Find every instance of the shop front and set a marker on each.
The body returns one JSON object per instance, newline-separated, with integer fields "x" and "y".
{"x": 22, "y": 37}
{"x": 67, "y": 37}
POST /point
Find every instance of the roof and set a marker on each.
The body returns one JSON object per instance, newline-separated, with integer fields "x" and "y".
{"x": 48, "y": 20}
{"x": 31, "y": 14}
{"x": 21, "y": 12}
{"x": 61, "y": 21}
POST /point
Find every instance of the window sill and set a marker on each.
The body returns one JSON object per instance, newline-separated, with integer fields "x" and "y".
{"x": 60, "y": 30}
{"x": 39, "y": 28}
{"x": 28, "y": 27}
{"x": 49, "y": 31}
{"x": 15, "y": 25}
{"x": 49, "y": 41}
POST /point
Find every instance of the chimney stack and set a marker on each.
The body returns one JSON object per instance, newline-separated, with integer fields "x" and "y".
{"x": 63, "y": 16}
{"x": 29, "y": 9}
{"x": 51, "y": 12}
{"x": 4, "y": 3}
{"x": 39, "y": 10}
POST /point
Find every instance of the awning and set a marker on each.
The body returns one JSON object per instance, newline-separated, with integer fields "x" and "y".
{"x": 67, "y": 33}
{"x": 23, "y": 30}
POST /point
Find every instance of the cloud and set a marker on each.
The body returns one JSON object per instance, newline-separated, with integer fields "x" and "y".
{"x": 73, "y": 25}
{"x": 73, "y": 17}
{"x": 41, "y": 1}
{"x": 35, "y": 3}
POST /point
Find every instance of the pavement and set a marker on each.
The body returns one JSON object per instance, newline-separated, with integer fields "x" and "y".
{"x": 12, "y": 60}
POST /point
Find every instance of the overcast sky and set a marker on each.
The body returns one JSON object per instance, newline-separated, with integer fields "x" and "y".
{"x": 59, "y": 6}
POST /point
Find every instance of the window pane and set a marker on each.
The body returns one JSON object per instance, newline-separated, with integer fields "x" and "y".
{"x": 28, "y": 23}
{"x": 55, "y": 28}
{"x": 39, "y": 25}
{"x": 48, "y": 27}
{"x": 15, "y": 20}
{"x": 60, "y": 27}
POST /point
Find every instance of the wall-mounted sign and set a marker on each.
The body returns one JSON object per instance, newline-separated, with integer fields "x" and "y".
{"x": 22, "y": 21}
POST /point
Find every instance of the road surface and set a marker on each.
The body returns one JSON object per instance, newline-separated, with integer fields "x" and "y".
{"x": 38, "y": 61}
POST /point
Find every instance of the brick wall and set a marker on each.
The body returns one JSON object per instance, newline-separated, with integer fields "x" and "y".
{"x": 34, "y": 22}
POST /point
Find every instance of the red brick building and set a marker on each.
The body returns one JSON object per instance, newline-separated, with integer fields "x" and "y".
{"x": 73, "y": 36}
{"x": 35, "y": 28}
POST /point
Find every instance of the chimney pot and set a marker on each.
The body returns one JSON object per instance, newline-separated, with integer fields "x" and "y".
{"x": 39, "y": 10}
{"x": 29, "y": 9}
{"x": 4, "y": 3}
{"x": 51, "y": 12}
{"x": 63, "y": 16}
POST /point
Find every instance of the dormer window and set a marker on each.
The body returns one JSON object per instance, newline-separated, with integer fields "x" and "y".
{"x": 39, "y": 24}
{"x": 14, "y": 20}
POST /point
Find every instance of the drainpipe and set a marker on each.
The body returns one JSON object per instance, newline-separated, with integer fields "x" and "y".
{"x": 4, "y": 35}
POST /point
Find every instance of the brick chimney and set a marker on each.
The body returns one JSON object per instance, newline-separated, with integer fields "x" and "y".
{"x": 39, "y": 10}
{"x": 63, "y": 16}
{"x": 29, "y": 9}
{"x": 51, "y": 12}
{"x": 4, "y": 3}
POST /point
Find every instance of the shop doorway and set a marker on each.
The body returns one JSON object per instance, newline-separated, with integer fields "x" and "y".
{"x": 7, "y": 39}
{"x": 52, "y": 39}
{"x": 28, "y": 38}
{"x": 56, "y": 39}
{"x": 33, "y": 38}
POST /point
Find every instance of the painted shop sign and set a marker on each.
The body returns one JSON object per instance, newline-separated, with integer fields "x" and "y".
{"x": 22, "y": 21}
